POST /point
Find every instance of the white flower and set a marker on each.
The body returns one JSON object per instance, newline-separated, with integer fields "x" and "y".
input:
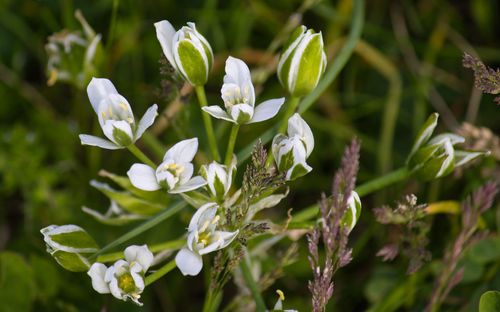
{"x": 115, "y": 116}
{"x": 353, "y": 211}
{"x": 202, "y": 239}
{"x": 291, "y": 152}
{"x": 302, "y": 61}
{"x": 175, "y": 173}
{"x": 219, "y": 178}
{"x": 186, "y": 50}
{"x": 239, "y": 97}
{"x": 125, "y": 279}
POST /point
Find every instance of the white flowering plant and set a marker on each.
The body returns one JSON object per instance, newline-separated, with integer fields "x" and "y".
{"x": 222, "y": 205}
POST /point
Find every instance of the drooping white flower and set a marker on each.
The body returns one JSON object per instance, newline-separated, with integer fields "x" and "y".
{"x": 70, "y": 245}
{"x": 202, "y": 239}
{"x": 125, "y": 278}
{"x": 219, "y": 178}
{"x": 302, "y": 61}
{"x": 239, "y": 97}
{"x": 290, "y": 152}
{"x": 115, "y": 116}
{"x": 186, "y": 50}
{"x": 175, "y": 173}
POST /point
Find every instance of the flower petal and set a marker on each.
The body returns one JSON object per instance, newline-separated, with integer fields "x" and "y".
{"x": 182, "y": 152}
{"x": 204, "y": 213}
{"x": 143, "y": 177}
{"x": 97, "y": 141}
{"x": 267, "y": 110}
{"x": 140, "y": 254}
{"x": 98, "y": 90}
{"x": 217, "y": 112}
{"x": 192, "y": 184}
{"x": 165, "y": 33}
{"x": 146, "y": 121}
{"x": 188, "y": 262}
{"x": 97, "y": 272}
{"x": 297, "y": 126}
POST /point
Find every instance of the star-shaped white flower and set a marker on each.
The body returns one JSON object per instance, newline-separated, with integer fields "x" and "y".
{"x": 125, "y": 279}
{"x": 239, "y": 97}
{"x": 202, "y": 239}
{"x": 115, "y": 116}
{"x": 175, "y": 173}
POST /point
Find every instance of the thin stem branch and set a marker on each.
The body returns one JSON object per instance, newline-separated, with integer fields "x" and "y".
{"x": 158, "y": 274}
{"x": 141, "y": 156}
{"x": 383, "y": 181}
{"x": 292, "y": 107}
{"x": 170, "y": 245}
{"x": 230, "y": 145}
{"x": 254, "y": 289}
{"x": 200, "y": 93}
{"x": 173, "y": 209}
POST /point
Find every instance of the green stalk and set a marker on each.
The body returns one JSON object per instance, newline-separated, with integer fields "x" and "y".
{"x": 254, "y": 289}
{"x": 230, "y": 145}
{"x": 162, "y": 271}
{"x": 170, "y": 245}
{"x": 152, "y": 222}
{"x": 292, "y": 107}
{"x": 200, "y": 92}
{"x": 383, "y": 181}
{"x": 141, "y": 156}
{"x": 331, "y": 73}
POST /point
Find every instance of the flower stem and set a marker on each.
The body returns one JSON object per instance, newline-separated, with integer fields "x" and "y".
{"x": 292, "y": 107}
{"x": 170, "y": 245}
{"x": 146, "y": 225}
{"x": 200, "y": 92}
{"x": 254, "y": 289}
{"x": 162, "y": 271}
{"x": 230, "y": 145}
{"x": 383, "y": 181}
{"x": 140, "y": 155}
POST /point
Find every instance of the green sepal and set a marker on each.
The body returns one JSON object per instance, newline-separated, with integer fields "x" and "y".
{"x": 422, "y": 155}
{"x": 195, "y": 198}
{"x": 286, "y": 161}
{"x": 424, "y": 133}
{"x": 310, "y": 67}
{"x": 76, "y": 239}
{"x": 192, "y": 63}
{"x": 71, "y": 261}
{"x": 297, "y": 171}
{"x": 121, "y": 137}
{"x": 219, "y": 188}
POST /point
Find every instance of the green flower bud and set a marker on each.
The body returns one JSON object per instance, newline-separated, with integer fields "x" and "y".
{"x": 353, "y": 211}
{"x": 187, "y": 51}
{"x": 302, "y": 61}
{"x": 69, "y": 245}
{"x": 435, "y": 158}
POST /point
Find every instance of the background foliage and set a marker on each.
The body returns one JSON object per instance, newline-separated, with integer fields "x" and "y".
{"x": 407, "y": 65}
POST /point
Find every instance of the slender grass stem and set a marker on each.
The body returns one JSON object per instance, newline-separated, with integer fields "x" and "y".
{"x": 383, "y": 181}
{"x": 140, "y": 155}
{"x": 158, "y": 274}
{"x": 254, "y": 289}
{"x": 112, "y": 24}
{"x": 230, "y": 145}
{"x": 152, "y": 222}
{"x": 200, "y": 93}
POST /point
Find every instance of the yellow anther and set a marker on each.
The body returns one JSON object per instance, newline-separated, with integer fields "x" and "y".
{"x": 281, "y": 294}
{"x": 136, "y": 296}
{"x": 245, "y": 100}
{"x": 205, "y": 225}
{"x": 130, "y": 120}
{"x": 180, "y": 170}
{"x": 53, "y": 77}
{"x": 110, "y": 112}
{"x": 173, "y": 166}
{"x": 166, "y": 167}
{"x": 246, "y": 90}
{"x": 123, "y": 106}
{"x": 214, "y": 220}
{"x": 237, "y": 91}
{"x": 196, "y": 236}
{"x": 217, "y": 238}
{"x": 228, "y": 94}
{"x": 104, "y": 115}
{"x": 229, "y": 103}
{"x": 133, "y": 263}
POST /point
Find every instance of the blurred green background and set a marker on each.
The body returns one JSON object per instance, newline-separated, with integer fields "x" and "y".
{"x": 407, "y": 65}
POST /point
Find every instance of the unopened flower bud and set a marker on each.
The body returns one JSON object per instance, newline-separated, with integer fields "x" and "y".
{"x": 302, "y": 61}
